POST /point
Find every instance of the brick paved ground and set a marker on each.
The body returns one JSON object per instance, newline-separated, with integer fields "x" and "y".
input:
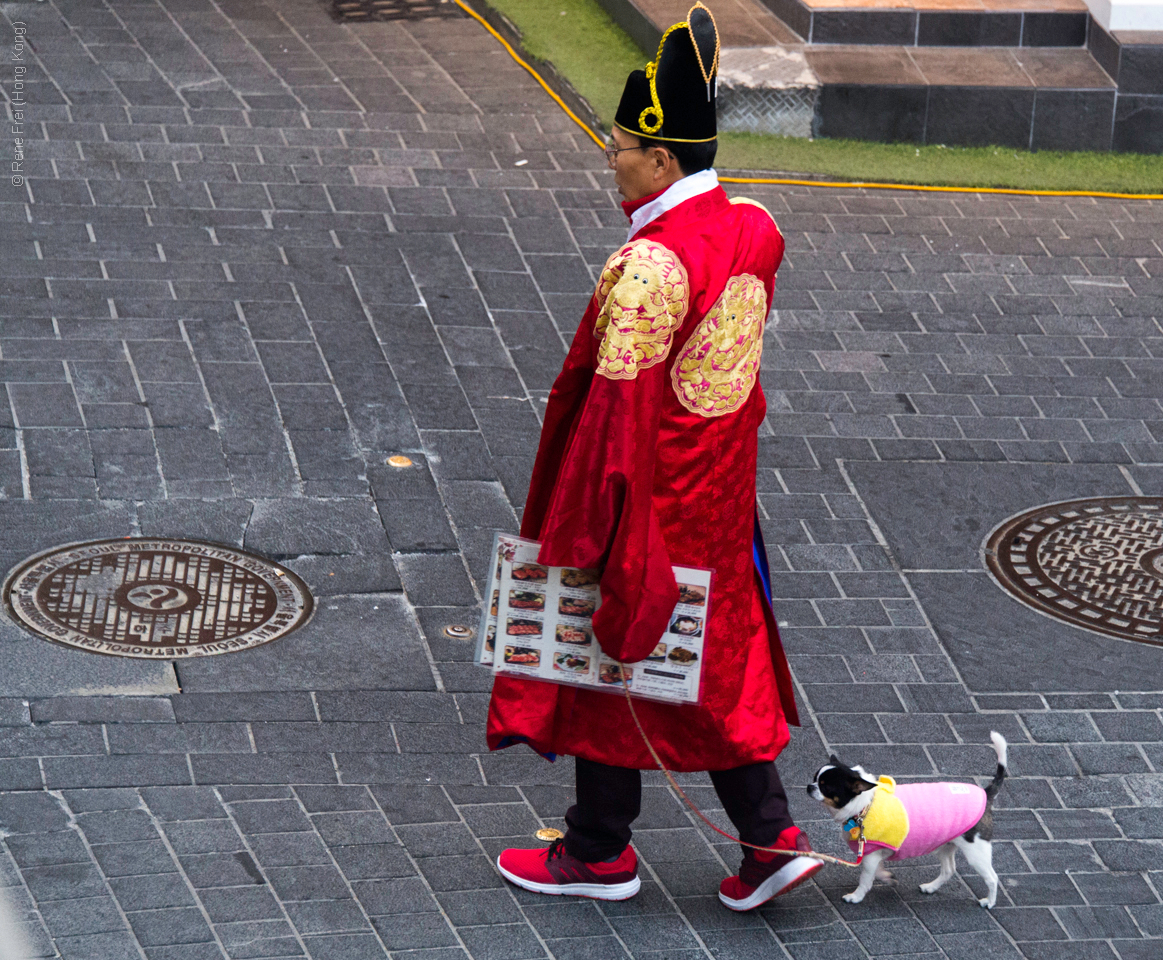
{"x": 258, "y": 253}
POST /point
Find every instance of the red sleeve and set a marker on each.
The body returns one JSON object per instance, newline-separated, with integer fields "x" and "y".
{"x": 601, "y": 513}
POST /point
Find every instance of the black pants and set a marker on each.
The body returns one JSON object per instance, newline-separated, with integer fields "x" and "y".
{"x": 609, "y": 799}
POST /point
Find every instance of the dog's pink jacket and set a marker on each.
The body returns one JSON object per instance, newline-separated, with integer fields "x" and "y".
{"x": 936, "y": 813}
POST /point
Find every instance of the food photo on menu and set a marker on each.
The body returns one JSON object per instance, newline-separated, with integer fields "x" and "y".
{"x": 520, "y": 627}
{"x": 580, "y": 579}
{"x": 692, "y": 595}
{"x": 686, "y": 626}
{"x": 534, "y": 572}
{"x": 576, "y": 635}
{"x": 658, "y": 653}
{"x": 526, "y": 600}
{"x": 523, "y": 656}
{"x": 575, "y": 607}
{"x": 613, "y": 672}
{"x": 571, "y": 662}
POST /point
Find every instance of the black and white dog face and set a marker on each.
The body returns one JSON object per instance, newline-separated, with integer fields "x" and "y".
{"x": 845, "y": 791}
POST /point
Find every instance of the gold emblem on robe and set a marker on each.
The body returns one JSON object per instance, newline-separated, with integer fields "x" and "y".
{"x": 716, "y": 368}
{"x": 644, "y": 295}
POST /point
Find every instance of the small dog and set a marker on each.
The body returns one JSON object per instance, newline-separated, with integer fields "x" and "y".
{"x": 912, "y": 820}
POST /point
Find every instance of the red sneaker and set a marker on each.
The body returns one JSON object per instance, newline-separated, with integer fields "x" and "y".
{"x": 766, "y": 875}
{"x": 555, "y": 872}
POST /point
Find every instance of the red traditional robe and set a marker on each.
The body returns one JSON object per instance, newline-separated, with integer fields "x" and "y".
{"x": 647, "y": 459}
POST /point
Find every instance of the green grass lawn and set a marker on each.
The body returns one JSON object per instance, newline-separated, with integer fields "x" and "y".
{"x": 944, "y": 166}
{"x": 586, "y": 46}
{"x": 595, "y": 55}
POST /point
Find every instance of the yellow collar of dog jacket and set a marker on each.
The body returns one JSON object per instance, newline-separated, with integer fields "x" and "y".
{"x": 886, "y": 821}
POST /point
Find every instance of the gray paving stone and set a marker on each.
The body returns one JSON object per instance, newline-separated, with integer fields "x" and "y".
{"x": 165, "y": 927}
{"x": 236, "y": 904}
{"x": 65, "y": 846}
{"x": 350, "y": 828}
{"x": 38, "y": 669}
{"x": 116, "y": 826}
{"x": 185, "y": 951}
{"x": 273, "y": 938}
{"x": 344, "y": 947}
{"x": 68, "y": 918}
{"x": 270, "y": 816}
{"x": 64, "y": 882}
{"x": 182, "y": 803}
{"x": 1115, "y": 889}
{"x": 121, "y": 771}
{"x": 151, "y": 891}
{"x": 1079, "y": 824}
{"x": 1060, "y": 727}
{"x": 105, "y": 946}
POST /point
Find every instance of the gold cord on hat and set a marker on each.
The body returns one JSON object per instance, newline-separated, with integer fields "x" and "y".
{"x": 708, "y": 75}
{"x": 651, "y": 76}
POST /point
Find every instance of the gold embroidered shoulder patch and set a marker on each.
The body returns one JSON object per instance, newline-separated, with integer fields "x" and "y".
{"x": 749, "y": 201}
{"x": 755, "y": 203}
{"x": 715, "y": 371}
{"x": 644, "y": 295}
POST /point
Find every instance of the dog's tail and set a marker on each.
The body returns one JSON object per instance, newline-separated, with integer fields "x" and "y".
{"x": 999, "y": 747}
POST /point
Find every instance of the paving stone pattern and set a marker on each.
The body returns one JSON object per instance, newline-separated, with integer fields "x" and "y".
{"x": 259, "y": 252}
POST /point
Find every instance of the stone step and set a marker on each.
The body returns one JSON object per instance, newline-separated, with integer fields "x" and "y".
{"x": 1029, "y": 98}
{"x": 937, "y": 23}
{"x": 1041, "y": 99}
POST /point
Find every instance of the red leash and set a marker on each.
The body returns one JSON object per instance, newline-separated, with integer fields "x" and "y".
{"x": 827, "y": 858}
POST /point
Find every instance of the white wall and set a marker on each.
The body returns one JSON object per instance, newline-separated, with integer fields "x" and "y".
{"x": 1127, "y": 14}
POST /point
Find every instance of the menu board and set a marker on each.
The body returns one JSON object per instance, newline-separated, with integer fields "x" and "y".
{"x": 538, "y": 623}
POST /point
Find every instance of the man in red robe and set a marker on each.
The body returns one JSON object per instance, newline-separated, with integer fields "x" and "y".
{"x": 648, "y": 459}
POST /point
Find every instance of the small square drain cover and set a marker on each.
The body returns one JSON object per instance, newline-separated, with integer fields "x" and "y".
{"x": 357, "y": 11}
{"x": 156, "y": 599}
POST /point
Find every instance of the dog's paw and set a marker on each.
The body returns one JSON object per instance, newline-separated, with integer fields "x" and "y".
{"x": 853, "y": 897}
{"x": 984, "y": 901}
{"x": 930, "y": 887}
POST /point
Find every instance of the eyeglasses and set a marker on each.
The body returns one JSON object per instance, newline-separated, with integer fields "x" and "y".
{"x": 612, "y": 152}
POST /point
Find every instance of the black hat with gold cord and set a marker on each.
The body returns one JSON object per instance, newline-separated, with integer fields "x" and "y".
{"x": 673, "y": 99}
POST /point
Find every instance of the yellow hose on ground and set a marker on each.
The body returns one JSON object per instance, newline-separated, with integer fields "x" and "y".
{"x": 842, "y": 184}
{"x": 536, "y": 76}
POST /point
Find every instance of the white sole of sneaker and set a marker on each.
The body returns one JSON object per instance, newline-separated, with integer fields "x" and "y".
{"x": 595, "y": 891}
{"x": 784, "y": 879}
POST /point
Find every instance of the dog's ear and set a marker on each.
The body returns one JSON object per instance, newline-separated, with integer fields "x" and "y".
{"x": 861, "y": 779}
{"x": 834, "y": 760}
{"x": 859, "y": 785}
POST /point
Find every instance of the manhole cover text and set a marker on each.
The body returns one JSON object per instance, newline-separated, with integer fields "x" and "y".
{"x": 1096, "y": 564}
{"x": 163, "y": 599}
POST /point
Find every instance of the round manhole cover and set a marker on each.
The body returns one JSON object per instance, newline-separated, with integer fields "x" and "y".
{"x": 156, "y": 598}
{"x": 1096, "y": 564}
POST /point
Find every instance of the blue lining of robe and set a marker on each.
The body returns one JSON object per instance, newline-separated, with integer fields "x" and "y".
{"x": 759, "y": 555}
{"x": 509, "y": 741}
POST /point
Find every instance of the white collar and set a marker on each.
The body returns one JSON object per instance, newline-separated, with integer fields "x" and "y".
{"x": 678, "y": 192}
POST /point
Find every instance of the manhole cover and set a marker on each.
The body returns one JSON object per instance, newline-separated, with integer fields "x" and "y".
{"x": 156, "y": 598}
{"x": 355, "y": 11}
{"x": 1095, "y": 563}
